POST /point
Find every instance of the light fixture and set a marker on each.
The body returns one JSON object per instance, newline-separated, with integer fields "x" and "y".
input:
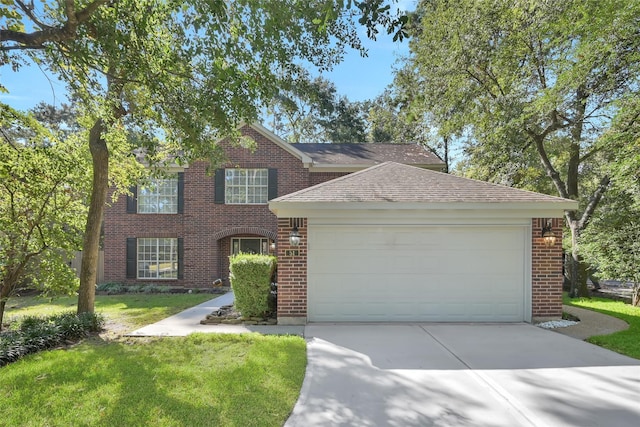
{"x": 548, "y": 235}
{"x": 294, "y": 236}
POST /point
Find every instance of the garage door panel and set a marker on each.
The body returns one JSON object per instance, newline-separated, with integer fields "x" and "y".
{"x": 391, "y": 273}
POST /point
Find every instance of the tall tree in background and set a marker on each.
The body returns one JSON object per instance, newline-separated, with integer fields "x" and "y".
{"x": 555, "y": 78}
{"x": 311, "y": 110}
{"x": 189, "y": 70}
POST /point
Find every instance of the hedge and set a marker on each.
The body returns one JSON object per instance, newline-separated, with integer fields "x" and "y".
{"x": 251, "y": 276}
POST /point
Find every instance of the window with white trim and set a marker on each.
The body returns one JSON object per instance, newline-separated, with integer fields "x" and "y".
{"x": 249, "y": 245}
{"x": 157, "y": 258}
{"x": 159, "y": 196}
{"x": 246, "y": 186}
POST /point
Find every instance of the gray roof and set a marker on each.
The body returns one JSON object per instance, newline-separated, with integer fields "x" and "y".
{"x": 394, "y": 182}
{"x": 368, "y": 154}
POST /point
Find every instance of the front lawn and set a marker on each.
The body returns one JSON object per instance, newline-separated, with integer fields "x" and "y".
{"x": 623, "y": 342}
{"x": 199, "y": 380}
{"x": 131, "y": 311}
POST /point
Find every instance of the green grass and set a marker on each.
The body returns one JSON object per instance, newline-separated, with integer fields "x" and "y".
{"x": 624, "y": 342}
{"x": 200, "y": 380}
{"x": 132, "y": 310}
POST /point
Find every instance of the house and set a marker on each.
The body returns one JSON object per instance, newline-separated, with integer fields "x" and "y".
{"x": 395, "y": 242}
{"x": 181, "y": 229}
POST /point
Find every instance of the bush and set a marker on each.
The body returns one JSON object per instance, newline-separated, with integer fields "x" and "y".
{"x": 251, "y": 276}
{"x": 35, "y": 333}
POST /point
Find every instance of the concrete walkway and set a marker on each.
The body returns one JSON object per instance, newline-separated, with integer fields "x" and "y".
{"x": 591, "y": 323}
{"x": 462, "y": 375}
{"x": 188, "y": 321}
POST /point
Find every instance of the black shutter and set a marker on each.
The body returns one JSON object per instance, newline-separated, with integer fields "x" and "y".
{"x": 219, "y": 187}
{"x": 132, "y": 200}
{"x": 132, "y": 257}
{"x": 181, "y": 192}
{"x": 180, "y": 258}
{"x": 273, "y": 184}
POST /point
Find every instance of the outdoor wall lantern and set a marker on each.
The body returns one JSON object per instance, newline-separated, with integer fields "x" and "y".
{"x": 294, "y": 236}
{"x": 548, "y": 235}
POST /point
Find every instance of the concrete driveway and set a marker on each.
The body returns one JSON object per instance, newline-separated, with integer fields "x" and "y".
{"x": 462, "y": 375}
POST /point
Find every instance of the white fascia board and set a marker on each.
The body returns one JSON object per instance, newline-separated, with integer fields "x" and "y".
{"x": 284, "y": 209}
{"x": 358, "y": 167}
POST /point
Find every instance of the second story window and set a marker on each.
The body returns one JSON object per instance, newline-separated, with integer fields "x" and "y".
{"x": 246, "y": 186}
{"x": 160, "y": 195}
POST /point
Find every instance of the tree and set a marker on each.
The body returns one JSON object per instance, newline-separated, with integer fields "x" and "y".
{"x": 555, "y": 78}
{"x": 42, "y": 202}
{"x": 311, "y": 110}
{"x": 188, "y": 70}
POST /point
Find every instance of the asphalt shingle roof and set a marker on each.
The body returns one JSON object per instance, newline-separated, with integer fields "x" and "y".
{"x": 368, "y": 154}
{"x": 394, "y": 182}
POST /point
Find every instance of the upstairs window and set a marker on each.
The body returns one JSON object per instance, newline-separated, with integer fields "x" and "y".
{"x": 158, "y": 196}
{"x": 246, "y": 186}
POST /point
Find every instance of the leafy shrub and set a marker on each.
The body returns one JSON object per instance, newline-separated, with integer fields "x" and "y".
{"x": 251, "y": 276}
{"x": 111, "y": 288}
{"x": 35, "y": 333}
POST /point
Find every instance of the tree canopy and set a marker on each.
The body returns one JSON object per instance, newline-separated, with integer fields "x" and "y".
{"x": 179, "y": 73}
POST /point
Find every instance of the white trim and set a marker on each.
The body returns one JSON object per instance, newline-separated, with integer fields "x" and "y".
{"x": 328, "y": 167}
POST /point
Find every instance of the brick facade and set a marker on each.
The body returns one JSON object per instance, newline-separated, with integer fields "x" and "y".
{"x": 206, "y": 228}
{"x": 292, "y": 273}
{"x": 546, "y": 271}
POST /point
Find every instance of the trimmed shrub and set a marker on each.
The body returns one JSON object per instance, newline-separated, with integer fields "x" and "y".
{"x": 35, "y": 333}
{"x": 251, "y": 276}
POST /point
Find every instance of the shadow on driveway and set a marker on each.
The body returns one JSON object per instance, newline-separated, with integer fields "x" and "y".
{"x": 462, "y": 375}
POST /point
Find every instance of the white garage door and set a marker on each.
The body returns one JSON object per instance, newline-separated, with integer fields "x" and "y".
{"x": 397, "y": 273}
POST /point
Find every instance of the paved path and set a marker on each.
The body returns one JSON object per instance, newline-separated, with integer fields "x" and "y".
{"x": 591, "y": 323}
{"x": 188, "y": 321}
{"x": 462, "y": 375}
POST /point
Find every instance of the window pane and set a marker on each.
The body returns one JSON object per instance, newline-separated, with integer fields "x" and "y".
{"x": 159, "y": 196}
{"x": 158, "y": 258}
{"x": 246, "y": 186}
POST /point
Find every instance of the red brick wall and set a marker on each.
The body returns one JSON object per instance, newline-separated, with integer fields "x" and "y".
{"x": 205, "y": 226}
{"x": 292, "y": 273}
{"x": 320, "y": 177}
{"x": 546, "y": 271}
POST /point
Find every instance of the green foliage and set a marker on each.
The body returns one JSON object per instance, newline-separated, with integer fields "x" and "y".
{"x": 310, "y": 110}
{"x": 43, "y": 189}
{"x": 34, "y": 333}
{"x": 251, "y": 277}
{"x": 199, "y": 380}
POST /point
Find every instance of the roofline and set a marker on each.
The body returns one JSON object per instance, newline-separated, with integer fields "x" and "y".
{"x": 329, "y": 167}
{"x": 306, "y": 160}
{"x": 554, "y": 209}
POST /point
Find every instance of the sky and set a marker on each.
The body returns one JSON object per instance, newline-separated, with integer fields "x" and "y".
{"x": 356, "y": 77}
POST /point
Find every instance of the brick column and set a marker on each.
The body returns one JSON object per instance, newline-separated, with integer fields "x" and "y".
{"x": 292, "y": 273}
{"x": 546, "y": 271}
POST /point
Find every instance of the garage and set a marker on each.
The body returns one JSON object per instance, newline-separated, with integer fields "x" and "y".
{"x": 396, "y": 243}
{"x": 416, "y": 273}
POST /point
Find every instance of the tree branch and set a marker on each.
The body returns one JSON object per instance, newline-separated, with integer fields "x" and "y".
{"x": 546, "y": 163}
{"x": 50, "y": 34}
{"x": 593, "y": 202}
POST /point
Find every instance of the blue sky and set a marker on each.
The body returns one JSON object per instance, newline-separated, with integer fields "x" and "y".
{"x": 356, "y": 77}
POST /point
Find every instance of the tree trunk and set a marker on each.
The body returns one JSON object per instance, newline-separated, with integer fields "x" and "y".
{"x": 578, "y": 268}
{"x": 4, "y": 295}
{"x": 91, "y": 244}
